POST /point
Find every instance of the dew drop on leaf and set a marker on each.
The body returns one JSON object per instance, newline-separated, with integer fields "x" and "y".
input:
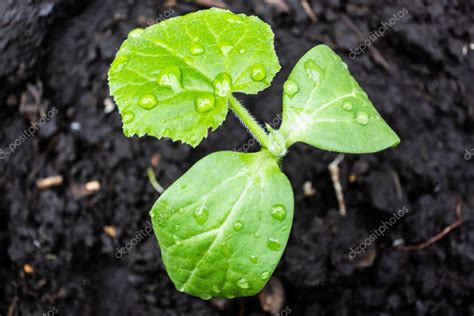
{"x": 201, "y": 215}
{"x": 242, "y": 51}
{"x": 362, "y": 118}
{"x": 290, "y": 87}
{"x": 205, "y": 296}
{"x": 254, "y": 259}
{"x": 347, "y": 106}
{"x": 238, "y": 226}
{"x": 226, "y": 47}
{"x": 147, "y": 101}
{"x": 258, "y": 72}
{"x": 197, "y": 49}
{"x": 235, "y": 19}
{"x": 177, "y": 240}
{"x": 278, "y": 212}
{"x": 171, "y": 77}
{"x": 222, "y": 84}
{"x": 264, "y": 275}
{"x": 243, "y": 284}
{"x": 273, "y": 244}
{"x": 119, "y": 63}
{"x": 188, "y": 60}
{"x": 313, "y": 71}
{"x": 205, "y": 103}
{"x": 128, "y": 117}
{"x": 135, "y": 33}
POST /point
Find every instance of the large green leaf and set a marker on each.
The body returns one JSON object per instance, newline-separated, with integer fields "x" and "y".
{"x": 173, "y": 79}
{"x": 325, "y": 107}
{"x": 222, "y": 227}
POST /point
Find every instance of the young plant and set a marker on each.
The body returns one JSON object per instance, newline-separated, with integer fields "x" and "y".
{"x": 223, "y": 226}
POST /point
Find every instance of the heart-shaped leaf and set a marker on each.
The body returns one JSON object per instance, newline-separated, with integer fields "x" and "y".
{"x": 222, "y": 227}
{"x": 325, "y": 107}
{"x": 173, "y": 79}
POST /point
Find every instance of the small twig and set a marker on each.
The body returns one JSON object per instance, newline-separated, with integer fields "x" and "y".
{"x": 49, "y": 182}
{"x": 153, "y": 181}
{"x": 334, "y": 171}
{"x": 398, "y": 187}
{"x": 438, "y": 236}
{"x": 212, "y": 3}
{"x": 307, "y": 8}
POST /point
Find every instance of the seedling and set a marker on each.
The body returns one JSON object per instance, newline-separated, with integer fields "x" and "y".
{"x": 223, "y": 226}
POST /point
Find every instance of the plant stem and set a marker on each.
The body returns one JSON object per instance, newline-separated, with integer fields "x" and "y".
{"x": 249, "y": 121}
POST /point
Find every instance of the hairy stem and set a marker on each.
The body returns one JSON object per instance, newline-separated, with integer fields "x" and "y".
{"x": 249, "y": 121}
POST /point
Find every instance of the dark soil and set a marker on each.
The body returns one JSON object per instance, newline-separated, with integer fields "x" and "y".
{"x": 56, "y": 257}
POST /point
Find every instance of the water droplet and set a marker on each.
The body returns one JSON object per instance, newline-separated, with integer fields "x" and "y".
{"x": 223, "y": 84}
{"x": 273, "y": 244}
{"x": 197, "y": 49}
{"x": 205, "y": 103}
{"x": 188, "y": 60}
{"x": 128, "y": 117}
{"x": 362, "y": 118}
{"x": 242, "y": 51}
{"x": 347, "y": 106}
{"x": 264, "y": 275}
{"x": 344, "y": 65}
{"x": 147, "y": 101}
{"x": 257, "y": 235}
{"x": 313, "y": 71}
{"x": 206, "y": 296}
{"x": 177, "y": 240}
{"x": 243, "y": 284}
{"x": 258, "y": 72}
{"x": 254, "y": 259}
{"x": 201, "y": 215}
{"x": 238, "y": 226}
{"x": 226, "y": 47}
{"x": 171, "y": 77}
{"x": 278, "y": 212}
{"x": 152, "y": 214}
{"x": 235, "y": 19}
{"x": 135, "y": 33}
{"x": 291, "y": 88}
{"x": 119, "y": 63}
{"x": 215, "y": 289}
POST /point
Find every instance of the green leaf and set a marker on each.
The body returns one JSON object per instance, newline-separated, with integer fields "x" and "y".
{"x": 223, "y": 226}
{"x": 325, "y": 107}
{"x": 173, "y": 79}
